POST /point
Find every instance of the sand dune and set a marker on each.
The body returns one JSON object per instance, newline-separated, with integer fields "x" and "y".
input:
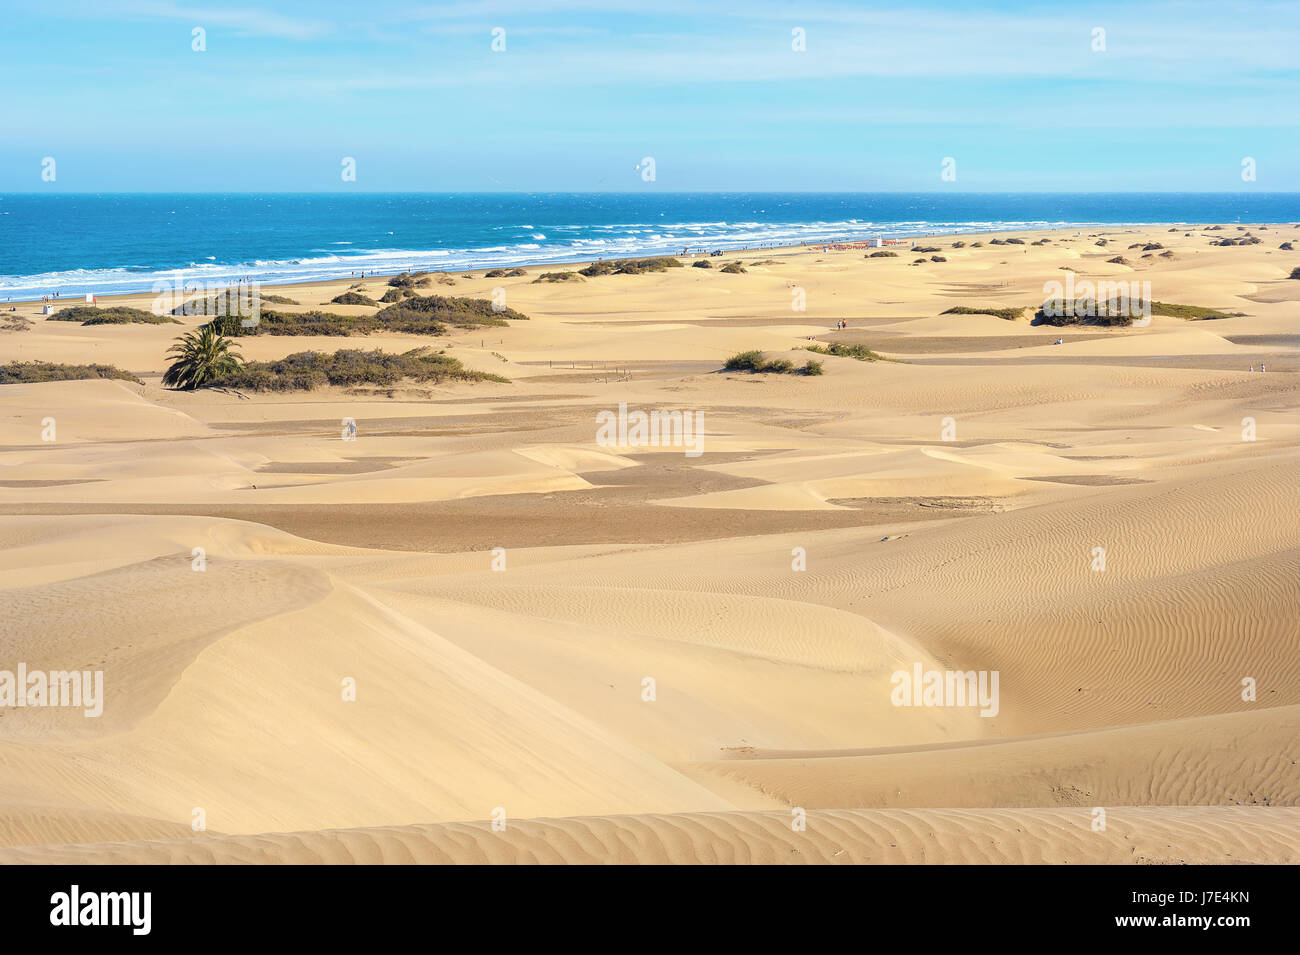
{"x": 1134, "y": 836}
{"x": 643, "y": 656}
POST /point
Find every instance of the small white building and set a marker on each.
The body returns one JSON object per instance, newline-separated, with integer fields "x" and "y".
{"x": 47, "y": 310}
{"x": 875, "y": 243}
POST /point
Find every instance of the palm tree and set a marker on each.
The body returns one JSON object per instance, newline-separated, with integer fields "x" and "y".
{"x": 203, "y": 356}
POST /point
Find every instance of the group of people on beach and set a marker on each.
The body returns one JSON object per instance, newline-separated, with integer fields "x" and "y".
{"x": 841, "y": 324}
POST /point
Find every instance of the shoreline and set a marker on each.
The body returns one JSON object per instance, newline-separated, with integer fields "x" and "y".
{"x": 179, "y": 279}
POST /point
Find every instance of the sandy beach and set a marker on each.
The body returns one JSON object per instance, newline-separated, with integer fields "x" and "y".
{"x": 471, "y": 631}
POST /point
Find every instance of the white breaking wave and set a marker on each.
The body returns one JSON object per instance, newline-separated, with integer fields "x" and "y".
{"x": 575, "y": 243}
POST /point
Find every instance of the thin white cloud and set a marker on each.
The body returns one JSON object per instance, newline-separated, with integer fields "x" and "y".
{"x": 248, "y": 22}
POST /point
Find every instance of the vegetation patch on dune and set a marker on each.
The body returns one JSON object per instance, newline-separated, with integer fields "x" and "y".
{"x": 881, "y": 255}
{"x": 113, "y": 315}
{"x": 558, "y": 277}
{"x": 659, "y": 263}
{"x": 353, "y": 298}
{"x": 1010, "y": 314}
{"x": 33, "y": 372}
{"x": 320, "y": 323}
{"x": 504, "y": 273}
{"x": 277, "y": 299}
{"x": 841, "y": 350}
{"x": 1191, "y": 313}
{"x": 733, "y": 268}
{"x": 753, "y": 361}
{"x": 460, "y": 312}
{"x": 397, "y": 294}
{"x": 1083, "y": 312}
{"x": 701, "y": 264}
{"x": 303, "y": 371}
{"x": 14, "y": 323}
{"x": 411, "y": 280}
{"x": 1295, "y": 274}
{"x": 415, "y": 315}
{"x": 1116, "y": 313}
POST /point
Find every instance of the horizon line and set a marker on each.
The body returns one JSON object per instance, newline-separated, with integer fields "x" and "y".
{"x": 612, "y": 192}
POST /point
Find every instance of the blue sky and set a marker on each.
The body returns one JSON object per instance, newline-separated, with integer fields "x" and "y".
{"x": 882, "y": 94}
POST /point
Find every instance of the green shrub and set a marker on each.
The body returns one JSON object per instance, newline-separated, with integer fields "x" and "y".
{"x": 1191, "y": 313}
{"x": 660, "y": 263}
{"x": 558, "y": 277}
{"x": 276, "y": 299}
{"x": 701, "y": 264}
{"x": 112, "y": 315}
{"x": 882, "y": 255}
{"x": 1010, "y": 314}
{"x": 925, "y": 248}
{"x": 303, "y": 371}
{"x": 841, "y": 350}
{"x": 753, "y": 361}
{"x": 32, "y": 372}
{"x": 1076, "y": 313}
{"x": 811, "y": 367}
{"x": 745, "y": 361}
{"x": 353, "y": 298}
{"x": 411, "y": 280}
{"x": 1118, "y": 260}
{"x": 733, "y": 268}
{"x": 461, "y": 312}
